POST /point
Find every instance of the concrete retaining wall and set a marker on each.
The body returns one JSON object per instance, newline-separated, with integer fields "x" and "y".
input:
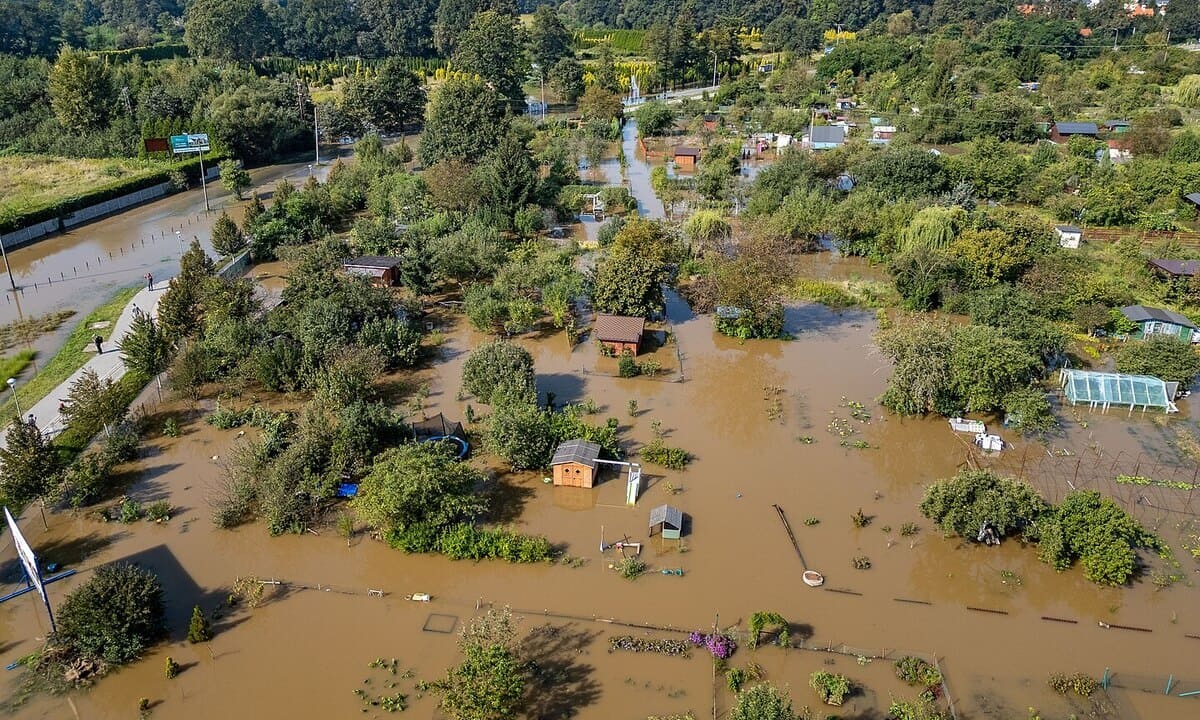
{"x": 26, "y": 235}
{"x": 236, "y": 266}
{"x": 111, "y": 206}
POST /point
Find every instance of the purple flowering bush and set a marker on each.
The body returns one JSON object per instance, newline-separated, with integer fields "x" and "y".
{"x": 721, "y": 646}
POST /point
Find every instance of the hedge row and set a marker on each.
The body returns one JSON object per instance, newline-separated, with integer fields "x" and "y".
{"x": 61, "y": 207}
{"x": 146, "y": 53}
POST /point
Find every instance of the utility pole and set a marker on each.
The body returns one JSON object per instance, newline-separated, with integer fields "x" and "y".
{"x": 204, "y": 182}
{"x": 316, "y": 138}
{"x": 714, "y": 54}
{"x": 7, "y": 267}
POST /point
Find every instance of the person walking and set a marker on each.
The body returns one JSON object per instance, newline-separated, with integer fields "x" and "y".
{"x": 149, "y": 281}
{"x": 99, "y": 345}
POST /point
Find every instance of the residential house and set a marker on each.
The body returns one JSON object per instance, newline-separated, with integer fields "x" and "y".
{"x": 383, "y": 271}
{"x": 619, "y": 333}
{"x": 574, "y": 463}
{"x": 1069, "y": 236}
{"x": 686, "y": 157}
{"x": 1158, "y": 321}
{"x": 826, "y": 137}
{"x": 1061, "y": 132}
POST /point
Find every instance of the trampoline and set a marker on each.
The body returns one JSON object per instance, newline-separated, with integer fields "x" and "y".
{"x": 463, "y": 446}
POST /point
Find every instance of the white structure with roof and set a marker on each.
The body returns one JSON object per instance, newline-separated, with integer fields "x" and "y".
{"x": 1102, "y": 390}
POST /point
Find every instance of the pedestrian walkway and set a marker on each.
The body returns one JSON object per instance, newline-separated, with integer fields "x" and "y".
{"x": 107, "y": 364}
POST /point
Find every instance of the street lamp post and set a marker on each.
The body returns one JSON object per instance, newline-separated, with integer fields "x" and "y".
{"x": 714, "y": 54}
{"x": 12, "y": 385}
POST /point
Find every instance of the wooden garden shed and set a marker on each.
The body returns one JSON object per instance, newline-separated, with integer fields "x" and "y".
{"x": 667, "y": 521}
{"x": 620, "y": 333}
{"x": 383, "y": 271}
{"x": 686, "y": 158}
{"x": 574, "y": 463}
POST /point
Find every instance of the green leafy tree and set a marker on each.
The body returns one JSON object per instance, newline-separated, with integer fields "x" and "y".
{"x": 226, "y": 29}
{"x": 901, "y": 171}
{"x": 1163, "y": 357}
{"x": 522, "y": 434}
{"x": 763, "y": 702}
{"x": 418, "y": 485}
{"x": 548, "y": 41}
{"x": 962, "y": 504}
{"x": 464, "y": 119}
{"x": 93, "y": 403}
{"x": 597, "y": 103}
{"x": 80, "y": 89}
{"x": 625, "y": 283}
{"x": 1028, "y": 410}
{"x": 566, "y": 78}
{"x": 387, "y": 101}
{"x": 29, "y": 463}
{"x": 490, "y": 682}
{"x": 499, "y": 371}
{"x": 113, "y": 616}
{"x": 922, "y": 379}
{"x": 454, "y": 17}
{"x": 145, "y": 348}
{"x": 227, "y": 239}
{"x": 492, "y": 49}
{"x": 1095, "y": 530}
{"x": 181, "y": 307}
{"x": 654, "y": 118}
{"x": 400, "y": 28}
{"x": 986, "y": 365}
{"x": 235, "y": 179}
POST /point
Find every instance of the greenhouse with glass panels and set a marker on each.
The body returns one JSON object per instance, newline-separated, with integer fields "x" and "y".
{"x": 1102, "y": 390}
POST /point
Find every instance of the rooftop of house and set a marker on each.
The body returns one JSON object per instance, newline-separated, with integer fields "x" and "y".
{"x": 1184, "y": 268}
{"x": 827, "y": 134}
{"x": 619, "y": 328}
{"x": 1141, "y": 313}
{"x": 686, "y": 151}
{"x": 372, "y": 261}
{"x": 1076, "y": 128}
{"x": 1067, "y": 229}
{"x": 576, "y": 451}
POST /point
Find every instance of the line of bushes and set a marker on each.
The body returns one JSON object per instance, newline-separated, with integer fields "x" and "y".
{"x": 61, "y": 207}
{"x": 465, "y": 541}
{"x": 146, "y": 53}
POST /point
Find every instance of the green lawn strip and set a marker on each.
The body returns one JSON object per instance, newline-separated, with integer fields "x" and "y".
{"x": 71, "y": 357}
{"x": 10, "y": 367}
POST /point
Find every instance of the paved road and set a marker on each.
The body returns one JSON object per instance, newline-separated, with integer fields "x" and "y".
{"x": 671, "y": 96}
{"x": 107, "y": 364}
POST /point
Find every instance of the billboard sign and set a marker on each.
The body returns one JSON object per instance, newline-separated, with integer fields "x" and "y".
{"x": 192, "y": 142}
{"x": 28, "y": 560}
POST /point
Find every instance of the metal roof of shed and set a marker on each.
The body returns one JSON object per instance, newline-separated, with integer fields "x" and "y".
{"x": 1141, "y": 313}
{"x": 576, "y": 451}
{"x": 668, "y": 515}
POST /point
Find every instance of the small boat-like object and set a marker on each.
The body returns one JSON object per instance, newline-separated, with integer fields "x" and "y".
{"x": 812, "y": 578}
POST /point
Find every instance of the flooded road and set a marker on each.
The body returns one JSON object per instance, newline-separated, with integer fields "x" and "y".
{"x": 82, "y": 268}
{"x": 768, "y": 422}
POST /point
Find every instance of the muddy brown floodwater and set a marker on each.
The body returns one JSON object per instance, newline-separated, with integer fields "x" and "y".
{"x": 746, "y": 411}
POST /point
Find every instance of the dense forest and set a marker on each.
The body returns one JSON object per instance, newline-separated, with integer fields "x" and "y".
{"x": 322, "y": 29}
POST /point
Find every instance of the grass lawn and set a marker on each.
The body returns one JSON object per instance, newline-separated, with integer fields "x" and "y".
{"x": 31, "y": 181}
{"x": 71, "y": 357}
{"x": 11, "y": 367}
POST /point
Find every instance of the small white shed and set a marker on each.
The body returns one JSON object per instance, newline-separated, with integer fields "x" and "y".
{"x": 1069, "y": 236}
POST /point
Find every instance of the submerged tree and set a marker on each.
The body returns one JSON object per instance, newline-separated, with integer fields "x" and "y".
{"x": 490, "y": 682}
